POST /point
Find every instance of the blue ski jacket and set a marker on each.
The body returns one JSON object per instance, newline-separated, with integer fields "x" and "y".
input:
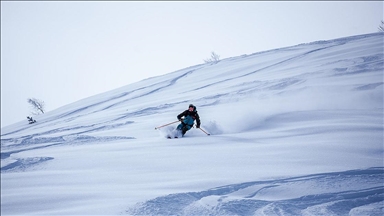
{"x": 190, "y": 117}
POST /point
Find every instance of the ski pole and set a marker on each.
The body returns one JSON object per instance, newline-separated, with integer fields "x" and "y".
{"x": 204, "y": 131}
{"x": 166, "y": 125}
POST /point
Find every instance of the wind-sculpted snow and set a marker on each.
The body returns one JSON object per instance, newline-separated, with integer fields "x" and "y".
{"x": 339, "y": 193}
{"x": 150, "y": 90}
{"x": 369, "y": 86}
{"x": 284, "y": 127}
{"x": 365, "y": 64}
{"x": 22, "y": 164}
{"x": 15, "y": 164}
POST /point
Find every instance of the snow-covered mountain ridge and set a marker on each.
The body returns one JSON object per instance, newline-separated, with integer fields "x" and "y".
{"x": 282, "y": 121}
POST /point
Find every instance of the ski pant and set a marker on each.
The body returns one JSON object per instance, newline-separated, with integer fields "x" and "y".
{"x": 183, "y": 127}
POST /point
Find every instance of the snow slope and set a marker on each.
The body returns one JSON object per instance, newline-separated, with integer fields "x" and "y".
{"x": 295, "y": 131}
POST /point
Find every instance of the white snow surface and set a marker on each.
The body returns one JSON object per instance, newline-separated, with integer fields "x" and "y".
{"x": 294, "y": 131}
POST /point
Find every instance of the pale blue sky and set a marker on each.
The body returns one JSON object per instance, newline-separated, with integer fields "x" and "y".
{"x": 61, "y": 52}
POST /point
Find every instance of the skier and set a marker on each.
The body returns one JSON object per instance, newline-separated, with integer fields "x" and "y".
{"x": 190, "y": 115}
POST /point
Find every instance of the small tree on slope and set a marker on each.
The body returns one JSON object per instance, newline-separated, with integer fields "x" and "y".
{"x": 214, "y": 58}
{"x": 381, "y": 27}
{"x": 37, "y": 105}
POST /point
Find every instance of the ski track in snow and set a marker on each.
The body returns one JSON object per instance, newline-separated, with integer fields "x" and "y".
{"x": 312, "y": 107}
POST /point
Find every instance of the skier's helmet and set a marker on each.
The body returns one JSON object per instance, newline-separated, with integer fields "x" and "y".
{"x": 191, "y": 105}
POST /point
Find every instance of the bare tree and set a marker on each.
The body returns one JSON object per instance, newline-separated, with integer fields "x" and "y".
{"x": 37, "y": 105}
{"x": 214, "y": 58}
{"x": 381, "y": 27}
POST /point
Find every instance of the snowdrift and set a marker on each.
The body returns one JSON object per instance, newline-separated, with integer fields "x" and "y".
{"x": 295, "y": 130}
